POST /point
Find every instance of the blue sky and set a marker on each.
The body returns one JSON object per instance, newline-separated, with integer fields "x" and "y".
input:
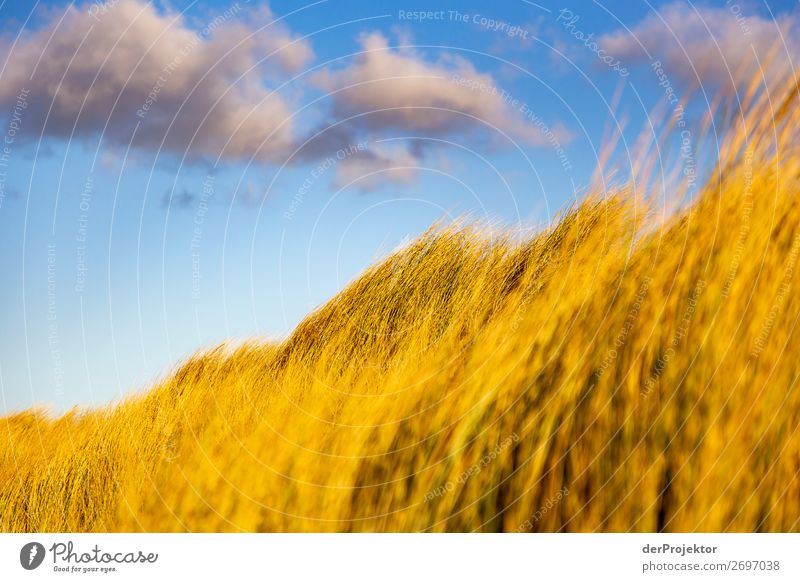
{"x": 179, "y": 174}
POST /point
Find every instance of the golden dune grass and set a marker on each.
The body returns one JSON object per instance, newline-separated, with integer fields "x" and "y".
{"x": 612, "y": 373}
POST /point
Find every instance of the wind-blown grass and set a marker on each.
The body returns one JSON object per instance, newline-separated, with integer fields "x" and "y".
{"x": 610, "y": 373}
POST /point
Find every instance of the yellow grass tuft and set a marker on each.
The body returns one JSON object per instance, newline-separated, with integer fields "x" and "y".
{"x": 612, "y": 373}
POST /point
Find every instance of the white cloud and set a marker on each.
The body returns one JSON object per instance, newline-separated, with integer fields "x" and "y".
{"x": 133, "y": 74}
{"x": 92, "y": 73}
{"x": 702, "y": 45}
{"x": 393, "y": 89}
{"x": 377, "y": 166}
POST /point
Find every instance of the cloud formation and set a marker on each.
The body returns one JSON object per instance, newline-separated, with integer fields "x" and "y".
{"x": 395, "y": 89}
{"x": 370, "y": 169}
{"x": 703, "y": 45}
{"x": 395, "y": 92}
{"x": 134, "y": 75}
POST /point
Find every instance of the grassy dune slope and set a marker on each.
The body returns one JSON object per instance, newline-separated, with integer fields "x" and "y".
{"x": 602, "y": 375}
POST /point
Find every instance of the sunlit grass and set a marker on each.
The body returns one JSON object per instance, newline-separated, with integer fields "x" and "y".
{"x": 614, "y": 372}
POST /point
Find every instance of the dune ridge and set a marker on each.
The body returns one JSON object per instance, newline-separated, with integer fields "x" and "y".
{"x": 614, "y": 372}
